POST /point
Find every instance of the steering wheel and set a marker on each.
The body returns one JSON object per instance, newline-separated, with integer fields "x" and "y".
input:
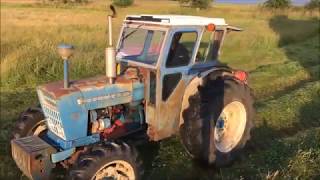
{"x": 131, "y": 72}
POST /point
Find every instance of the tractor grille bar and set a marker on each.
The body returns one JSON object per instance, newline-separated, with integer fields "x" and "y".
{"x": 54, "y": 121}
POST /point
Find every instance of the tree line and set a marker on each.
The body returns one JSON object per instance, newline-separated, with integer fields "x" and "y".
{"x": 203, "y": 4}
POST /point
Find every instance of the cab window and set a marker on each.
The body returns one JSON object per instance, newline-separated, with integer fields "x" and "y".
{"x": 181, "y": 49}
{"x": 209, "y": 46}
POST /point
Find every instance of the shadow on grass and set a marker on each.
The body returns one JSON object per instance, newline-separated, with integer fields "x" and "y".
{"x": 293, "y": 31}
{"x": 290, "y": 33}
{"x": 307, "y": 54}
{"x": 268, "y": 139}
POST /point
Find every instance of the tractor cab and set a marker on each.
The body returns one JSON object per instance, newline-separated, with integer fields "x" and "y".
{"x": 169, "y": 50}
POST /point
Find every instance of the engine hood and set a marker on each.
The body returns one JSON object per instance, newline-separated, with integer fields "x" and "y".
{"x": 66, "y": 110}
{"x": 56, "y": 90}
{"x": 95, "y": 89}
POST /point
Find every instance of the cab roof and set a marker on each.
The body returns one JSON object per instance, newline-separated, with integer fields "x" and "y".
{"x": 175, "y": 20}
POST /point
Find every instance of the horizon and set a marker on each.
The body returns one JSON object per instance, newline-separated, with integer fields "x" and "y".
{"x": 294, "y": 2}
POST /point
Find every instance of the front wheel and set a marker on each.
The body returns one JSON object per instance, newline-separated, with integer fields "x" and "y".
{"x": 30, "y": 123}
{"x": 108, "y": 161}
{"x": 218, "y": 121}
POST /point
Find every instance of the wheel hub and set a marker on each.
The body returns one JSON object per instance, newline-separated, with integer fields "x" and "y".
{"x": 230, "y": 126}
{"x": 221, "y": 126}
{"x": 119, "y": 170}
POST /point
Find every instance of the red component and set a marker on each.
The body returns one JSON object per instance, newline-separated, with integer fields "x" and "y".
{"x": 241, "y": 75}
{"x": 211, "y": 27}
{"x": 118, "y": 123}
{"x": 117, "y": 129}
{"x": 116, "y": 110}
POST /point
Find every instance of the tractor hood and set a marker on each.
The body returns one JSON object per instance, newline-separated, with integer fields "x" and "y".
{"x": 66, "y": 110}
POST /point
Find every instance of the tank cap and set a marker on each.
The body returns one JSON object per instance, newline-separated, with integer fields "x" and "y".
{"x": 65, "y": 51}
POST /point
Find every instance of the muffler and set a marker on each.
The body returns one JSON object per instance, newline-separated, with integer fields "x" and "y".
{"x": 110, "y": 53}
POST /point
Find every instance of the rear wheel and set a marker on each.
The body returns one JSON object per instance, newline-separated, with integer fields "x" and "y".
{"x": 108, "y": 161}
{"x": 218, "y": 121}
{"x": 31, "y": 122}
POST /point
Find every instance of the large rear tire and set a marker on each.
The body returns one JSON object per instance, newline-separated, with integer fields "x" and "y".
{"x": 107, "y": 161}
{"x": 218, "y": 121}
{"x": 30, "y": 122}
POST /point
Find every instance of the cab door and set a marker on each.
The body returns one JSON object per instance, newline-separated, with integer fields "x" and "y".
{"x": 172, "y": 80}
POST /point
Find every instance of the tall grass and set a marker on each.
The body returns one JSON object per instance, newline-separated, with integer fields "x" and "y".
{"x": 30, "y": 36}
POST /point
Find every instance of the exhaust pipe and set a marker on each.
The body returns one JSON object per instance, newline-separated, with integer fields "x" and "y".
{"x": 110, "y": 54}
{"x": 66, "y": 81}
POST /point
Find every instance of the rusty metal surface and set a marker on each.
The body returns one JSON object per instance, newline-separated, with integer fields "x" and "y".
{"x": 167, "y": 113}
{"x": 74, "y": 157}
{"x": 56, "y": 90}
{"x": 32, "y": 156}
{"x": 163, "y": 118}
{"x": 190, "y": 90}
{"x": 196, "y": 82}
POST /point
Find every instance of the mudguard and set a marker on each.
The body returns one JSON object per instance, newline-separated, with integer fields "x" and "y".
{"x": 199, "y": 80}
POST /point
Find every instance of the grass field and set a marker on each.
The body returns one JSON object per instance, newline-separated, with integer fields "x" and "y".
{"x": 281, "y": 50}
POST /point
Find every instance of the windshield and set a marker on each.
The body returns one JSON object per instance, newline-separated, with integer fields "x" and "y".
{"x": 140, "y": 45}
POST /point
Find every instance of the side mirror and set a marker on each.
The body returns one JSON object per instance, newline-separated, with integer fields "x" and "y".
{"x": 233, "y": 28}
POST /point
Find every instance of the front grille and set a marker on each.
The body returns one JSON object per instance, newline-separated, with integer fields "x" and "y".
{"x": 54, "y": 121}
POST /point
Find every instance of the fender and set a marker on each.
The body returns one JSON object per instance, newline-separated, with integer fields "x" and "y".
{"x": 202, "y": 75}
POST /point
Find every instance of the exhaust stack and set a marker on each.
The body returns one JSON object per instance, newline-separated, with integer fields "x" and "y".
{"x": 65, "y": 51}
{"x": 110, "y": 54}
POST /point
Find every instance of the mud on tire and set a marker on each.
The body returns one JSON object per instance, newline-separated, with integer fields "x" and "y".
{"x": 197, "y": 132}
{"x": 99, "y": 156}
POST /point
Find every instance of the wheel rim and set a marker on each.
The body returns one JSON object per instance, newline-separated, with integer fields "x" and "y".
{"x": 118, "y": 169}
{"x": 230, "y": 126}
{"x": 38, "y": 128}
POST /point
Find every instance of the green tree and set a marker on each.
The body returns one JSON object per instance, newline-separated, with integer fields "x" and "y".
{"x": 313, "y": 4}
{"x": 122, "y": 3}
{"x": 203, "y": 4}
{"x": 277, "y": 4}
{"x": 64, "y": 1}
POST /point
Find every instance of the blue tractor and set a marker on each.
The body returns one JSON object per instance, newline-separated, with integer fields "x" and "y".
{"x": 162, "y": 79}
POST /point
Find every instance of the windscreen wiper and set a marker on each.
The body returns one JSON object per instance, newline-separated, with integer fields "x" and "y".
{"x": 127, "y": 35}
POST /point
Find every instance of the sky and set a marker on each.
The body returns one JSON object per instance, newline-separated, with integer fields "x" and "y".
{"x": 295, "y": 2}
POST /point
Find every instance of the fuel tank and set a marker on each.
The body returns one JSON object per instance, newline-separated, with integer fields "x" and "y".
{"x": 66, "y": 110}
